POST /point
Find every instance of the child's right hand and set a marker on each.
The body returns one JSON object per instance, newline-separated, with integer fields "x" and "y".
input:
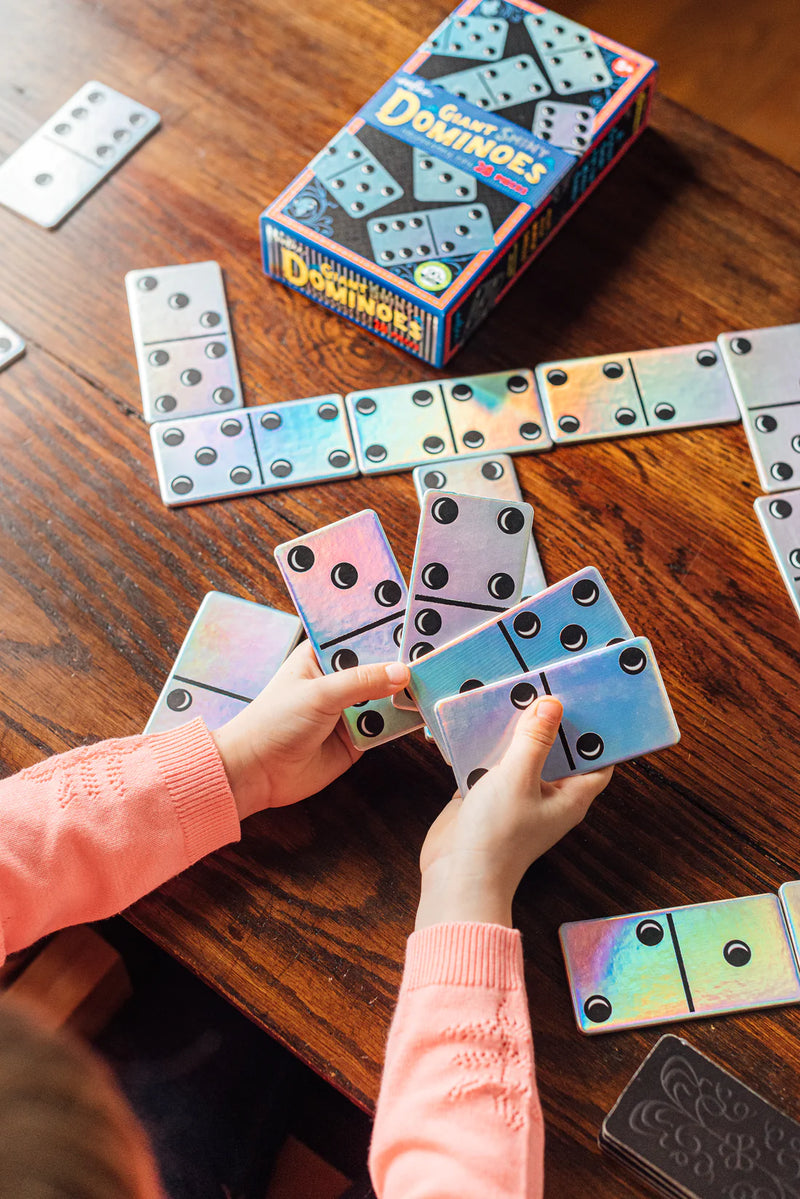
{"x": 480, "y": 846}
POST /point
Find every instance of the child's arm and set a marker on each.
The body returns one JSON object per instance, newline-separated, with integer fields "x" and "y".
{"x": 458, "y": 1114}
{"x": 84, "y": 834}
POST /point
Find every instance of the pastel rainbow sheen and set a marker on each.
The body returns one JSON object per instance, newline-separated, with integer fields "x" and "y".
{"x": 232, "y": 650}
{"x": 351, "y": 597}
{"x": 679, "y": 963}
{"x": 615, "y": 707}
{"x": 780, "y": 520}
{"x": 762, "y": 365}
{"x": 649, "y": 391}
{"x": 789, "y": 894}
{"x": 496, "y": 413}
{"x": 571, "y": 617}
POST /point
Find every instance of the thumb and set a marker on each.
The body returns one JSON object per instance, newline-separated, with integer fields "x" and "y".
{"x": 334, "y": 692}
{"x": 533, "y": 739}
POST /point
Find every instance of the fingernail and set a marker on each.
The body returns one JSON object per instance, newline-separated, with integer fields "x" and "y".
{"x": 397, "y": 672}
{"x": 548, "y": 709}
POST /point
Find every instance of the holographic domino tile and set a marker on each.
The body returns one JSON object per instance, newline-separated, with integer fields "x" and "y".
{"x": 11, "y": 345}
{"x": 232, "y": 650}
{"x": 764, "y": 371}
{"x": 469, "y": 562}
{"x": 347, "y": 587}
{"x": 490, "y": 475}
{"x": 615, "y": 708}
{"x": 651, "y": 391}
{"x": 789, "y": 894}
{"x": 679, "y": 964}
{"x": 496, "y": 413}
{"x": 289, "y": 444}
{"x": 569, "y": 618}
{"x": 397, "y": 428}
{"x": 780, "y": 520}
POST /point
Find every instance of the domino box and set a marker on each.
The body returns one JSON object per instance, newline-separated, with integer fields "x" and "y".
{"x": 417, "y": 217}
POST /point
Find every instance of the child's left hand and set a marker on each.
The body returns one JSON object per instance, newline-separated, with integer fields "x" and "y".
{"x": 289, "y": 742}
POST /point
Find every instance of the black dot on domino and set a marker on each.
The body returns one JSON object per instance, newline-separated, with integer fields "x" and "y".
{"x": 740, "y": 345}
{"x": 147, "y": 283}
{"x": 343, "y": 659}
{"x": 444, "y": 511}
{"x": 216, "y": 349}
{"x": 182, "y": 485}
{"x": 179, "y": 700}
{"x": 527, "y": 624}
{"x": 473, "y": 439}
{"x": 210, "y": 320}
{"x": 422, "y": 398}
{"x": 470, "y": 685}
{"x": 434, "y": 480}
{"x": 281, "y": 468}
{"x": 517, "y": 384}
{"x": 166, "y": 404}
{"x": 375, "y": 453}
{"x": 338, "y": 459}
{"x": 781, "y": 471}
{"x": 462, "y": 391}
{"x": 573, "y": 637}
{"x": 664, "y": 411}
{"x": 179, "y": 300}
{"x": 649, "y": 932}
{"x": 737, "y": 953}
{"x": 475, "y": 776}
{"x": 523, "y": 695}
{"x": 344, "y": 576}
{"x": 585, "y": 592}
{"x": 432, "y": 445}
{"x": 435, "y": 576}
{"x": 780, "y": 509}
{"x": 633, "y": 660}
{"x": 590, "y": 746}
{"x": 492, "y": 470}
{"x": 327, "y": 412}
{"x": 500, "y": 586}
{"x": 370, "y": 724}
{"x": 428, "y": 622}
{"x": 569, "y": 424}
{"x": 388, "y": 593}
{"x": 706, "y": 357}
{"x": 172, "y": 436}
{"x": 530, "y": 431}
{"x": 231, "y": 427}
{"x": 625, "y": 416}
{"x": 556, "y": 377}
{"x": 397, "y": 636}
{"x": 597, "y": 1009}
{"x": 300, "y": 558}
{"x": 419, "y": 650}
{"x": 271, "y": 420}
{"x": 206, "y": 455}
{"x": 613, "y": 370}
{"x": 510, "y": 520}
{"x": 240, "y": 475}
{"x": 366, "y": 405}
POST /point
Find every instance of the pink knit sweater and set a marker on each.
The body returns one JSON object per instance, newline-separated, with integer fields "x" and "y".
{"x": 84, "y": 834}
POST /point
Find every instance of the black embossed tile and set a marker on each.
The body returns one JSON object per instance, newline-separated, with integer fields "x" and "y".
{"x": 692, "y": 1129}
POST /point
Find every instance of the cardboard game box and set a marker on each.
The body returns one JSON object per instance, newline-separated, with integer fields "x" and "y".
{"x": 417, "y": 217}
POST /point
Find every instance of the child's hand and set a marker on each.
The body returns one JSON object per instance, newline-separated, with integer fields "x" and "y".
{"x": 478, "y": 849}
{"x": 289, "y": 742}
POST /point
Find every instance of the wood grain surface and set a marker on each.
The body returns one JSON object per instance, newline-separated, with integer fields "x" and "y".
{"x": 303, "y": 924}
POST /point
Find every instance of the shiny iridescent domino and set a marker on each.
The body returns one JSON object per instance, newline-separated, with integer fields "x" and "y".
{"x": 347, "y": 587}
{"x": 255, "y": 449}
{"x": 232, "y": 650}
{"x": 468, "y": 563}
{"x": 397, "y": 428}
{"x": 68, "y": 156}
{"x": 493, "y": 476}
{"x": 615, "y": 708}
{"x": 573, "y": 616}
{"x": 184, "y": 346}
{"x": 12, "y": 345}
{"x": 764, "y": 368}
{"x": 789, "y": 895}
{"x": 651, "y": 391}
{"x": 780, "y": 520}
{"x": 679, "y": 963}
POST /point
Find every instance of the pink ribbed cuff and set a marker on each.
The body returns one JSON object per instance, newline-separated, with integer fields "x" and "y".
{"x": 467, "y": 955}
{"x": 198, "y": 786}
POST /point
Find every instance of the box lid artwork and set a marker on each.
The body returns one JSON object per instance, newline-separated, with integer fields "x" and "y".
{"x": 416, "y": 217}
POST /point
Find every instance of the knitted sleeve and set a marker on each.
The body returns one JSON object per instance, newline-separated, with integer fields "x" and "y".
{"x": 85, "y": 833}
{"x": 458, "y": 1114}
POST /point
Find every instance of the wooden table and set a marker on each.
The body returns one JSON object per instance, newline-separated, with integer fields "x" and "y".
{"x": 302, "y": 925}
